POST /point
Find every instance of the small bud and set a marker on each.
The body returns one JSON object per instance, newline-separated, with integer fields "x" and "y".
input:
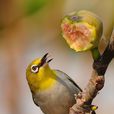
{"x": 93, "y": 107}
{"x": 82, "y": 30}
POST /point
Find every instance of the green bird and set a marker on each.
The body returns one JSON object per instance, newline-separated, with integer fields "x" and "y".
{"x": 52, "y": 90}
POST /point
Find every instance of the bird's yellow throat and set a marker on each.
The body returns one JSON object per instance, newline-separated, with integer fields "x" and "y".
{"x": 44, "y": 79}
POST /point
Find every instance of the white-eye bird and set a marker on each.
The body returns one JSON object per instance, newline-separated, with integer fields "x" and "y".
{"x": 52, "y": 90}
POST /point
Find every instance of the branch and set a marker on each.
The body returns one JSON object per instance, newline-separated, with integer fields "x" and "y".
{"x": 96, "y": 83}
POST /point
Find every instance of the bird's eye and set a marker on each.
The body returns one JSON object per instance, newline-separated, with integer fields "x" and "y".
{"x": 34, "y": 68}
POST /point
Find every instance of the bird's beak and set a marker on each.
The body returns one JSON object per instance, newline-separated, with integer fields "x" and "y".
{"x": 44, "y": 59}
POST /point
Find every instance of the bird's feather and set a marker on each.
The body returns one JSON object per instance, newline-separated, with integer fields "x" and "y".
{"x": 36, "y": 103}
{"x": 67, "y": 80}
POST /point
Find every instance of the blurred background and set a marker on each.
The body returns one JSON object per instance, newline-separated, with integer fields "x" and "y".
{"x": 31, "y": 28}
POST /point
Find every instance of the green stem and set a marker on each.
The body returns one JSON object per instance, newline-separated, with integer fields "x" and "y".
{"x": 95, "y": 53}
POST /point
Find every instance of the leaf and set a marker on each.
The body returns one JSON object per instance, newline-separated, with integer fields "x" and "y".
{"x": 34, "y": 5}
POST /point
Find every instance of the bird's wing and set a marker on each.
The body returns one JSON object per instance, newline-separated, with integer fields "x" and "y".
{"x": 67, "y": 80}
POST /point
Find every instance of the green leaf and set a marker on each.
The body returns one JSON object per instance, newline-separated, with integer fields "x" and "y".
{"x": 33, "y": 6}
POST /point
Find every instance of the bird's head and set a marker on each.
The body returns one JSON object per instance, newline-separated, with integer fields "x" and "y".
{"x": 39, "y": 72}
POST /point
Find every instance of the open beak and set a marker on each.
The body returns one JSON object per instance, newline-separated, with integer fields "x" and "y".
{"x": 44, "y": 59}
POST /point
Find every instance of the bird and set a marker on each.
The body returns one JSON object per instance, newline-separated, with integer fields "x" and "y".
{"x": 52, "y": 90}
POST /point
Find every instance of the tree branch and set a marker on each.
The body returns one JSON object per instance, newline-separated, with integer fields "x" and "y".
{"x": 96, "y": 83}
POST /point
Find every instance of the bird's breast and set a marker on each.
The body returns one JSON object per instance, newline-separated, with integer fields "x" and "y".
{"x": 56, "y": 100}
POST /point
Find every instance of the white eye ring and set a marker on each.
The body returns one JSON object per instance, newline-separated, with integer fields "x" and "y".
{"x": 34, "y": 69}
